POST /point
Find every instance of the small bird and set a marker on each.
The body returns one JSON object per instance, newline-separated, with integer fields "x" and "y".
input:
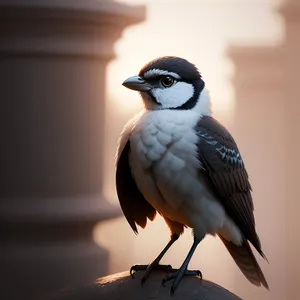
{"x": 174, "y": 158}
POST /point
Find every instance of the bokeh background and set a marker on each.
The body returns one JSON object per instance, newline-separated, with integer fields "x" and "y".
{"x": 63, "y": 108}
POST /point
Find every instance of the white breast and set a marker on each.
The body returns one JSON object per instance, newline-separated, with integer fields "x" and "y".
{"x": 164, "y": 164}
{"x": 165, "y": 137}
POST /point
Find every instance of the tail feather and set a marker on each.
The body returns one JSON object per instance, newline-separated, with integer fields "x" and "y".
{"x": 246, "y": 261}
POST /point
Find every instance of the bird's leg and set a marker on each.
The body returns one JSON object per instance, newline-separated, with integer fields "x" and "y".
{"x": 155, "y": 264}
{"x": 177, "y": 275}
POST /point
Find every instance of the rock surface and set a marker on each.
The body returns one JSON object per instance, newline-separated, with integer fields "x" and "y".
{"x": 122, "y": 286}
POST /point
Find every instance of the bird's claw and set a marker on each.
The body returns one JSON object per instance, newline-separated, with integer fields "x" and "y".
{"x": 177, "y": 278}
{"x": 132, "y": 271}
{"x": 136, "y": 268}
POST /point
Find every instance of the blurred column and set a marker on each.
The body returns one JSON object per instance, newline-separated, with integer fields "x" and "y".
{"x": 53, "y": 57}
{"x": 290, "y": 11}
{"x": 259, "y": 129}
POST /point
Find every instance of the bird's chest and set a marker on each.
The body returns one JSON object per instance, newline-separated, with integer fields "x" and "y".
{"x": 164, "y": 143}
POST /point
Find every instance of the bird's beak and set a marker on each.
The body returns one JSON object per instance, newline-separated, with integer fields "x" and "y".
{"x": 137, "y": 83}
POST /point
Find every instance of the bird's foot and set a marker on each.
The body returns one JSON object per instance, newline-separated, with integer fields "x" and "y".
{"x": 177, "y": 276}
{"x": 148, "y": 269}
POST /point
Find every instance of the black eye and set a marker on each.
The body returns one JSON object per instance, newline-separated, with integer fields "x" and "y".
{"x": 167, "y": 81}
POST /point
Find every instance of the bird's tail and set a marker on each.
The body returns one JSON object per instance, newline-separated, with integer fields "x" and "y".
{"x": 246, "y": 261}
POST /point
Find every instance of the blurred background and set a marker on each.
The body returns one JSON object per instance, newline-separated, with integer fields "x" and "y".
{"x": 63, "y": 107}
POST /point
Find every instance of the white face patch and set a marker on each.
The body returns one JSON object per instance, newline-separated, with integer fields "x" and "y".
{"x": 174, "y": 96}
{"x": 157, "y": 72}
{"x": 203, "y": 105}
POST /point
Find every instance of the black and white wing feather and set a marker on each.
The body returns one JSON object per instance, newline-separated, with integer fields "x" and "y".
{"x": 135, "y": 207}
{"x": 224, "y": 170}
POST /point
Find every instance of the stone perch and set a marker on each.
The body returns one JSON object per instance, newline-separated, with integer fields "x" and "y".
{"x": 122, "y": 286}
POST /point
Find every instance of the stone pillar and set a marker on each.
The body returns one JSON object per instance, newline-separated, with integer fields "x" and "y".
{"x": 290, "y": 10}
{"x": 259, "y": 129}
{"x": 53, "y": 57}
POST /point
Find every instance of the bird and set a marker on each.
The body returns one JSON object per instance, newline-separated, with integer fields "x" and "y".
{"x": 174, "y": 158}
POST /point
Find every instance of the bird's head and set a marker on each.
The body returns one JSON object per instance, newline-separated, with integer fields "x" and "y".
{"x": 171, "y": 83}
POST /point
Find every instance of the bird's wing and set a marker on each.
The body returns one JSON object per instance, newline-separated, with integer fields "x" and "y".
{"x": 224, "y": 169}
{"x": 135, "y": 207}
